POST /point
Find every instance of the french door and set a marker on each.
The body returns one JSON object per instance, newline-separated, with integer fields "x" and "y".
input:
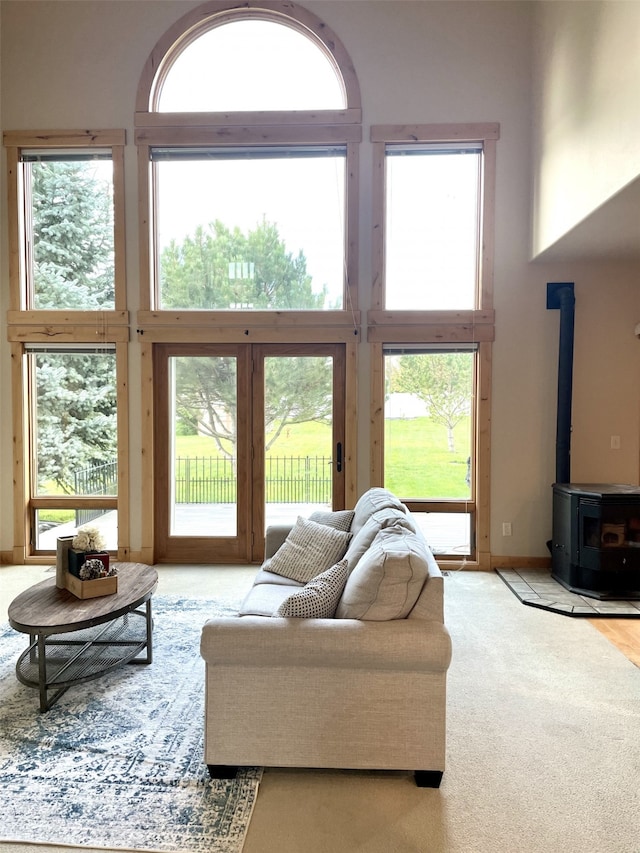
{"x": 246, "y": 435}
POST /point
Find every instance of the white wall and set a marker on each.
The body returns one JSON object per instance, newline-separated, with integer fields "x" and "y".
{"x": 77, "y": 65}
{"x": 587, "y": 120}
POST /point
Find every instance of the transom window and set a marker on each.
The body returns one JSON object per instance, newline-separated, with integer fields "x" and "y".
{"x": 250, "y": 65}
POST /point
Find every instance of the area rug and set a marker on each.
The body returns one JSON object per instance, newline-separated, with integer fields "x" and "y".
{"x": 118, "y": 761}
{"x": 537, "y": 588}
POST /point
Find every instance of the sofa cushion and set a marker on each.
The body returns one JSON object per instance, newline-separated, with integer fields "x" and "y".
{"x": 371, "y": 501}
{"x": 319, "y": 598}
{"x": 341, "y": 519}
{"x": 388, "y": 579}
{"x": 309, "y": 550}
{"x": 362, "y": 540}
{"x": 263, "y": 598}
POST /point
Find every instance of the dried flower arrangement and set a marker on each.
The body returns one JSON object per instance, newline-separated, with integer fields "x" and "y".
{"x": 92, "y": 569}
{"x": 88, "y": 539}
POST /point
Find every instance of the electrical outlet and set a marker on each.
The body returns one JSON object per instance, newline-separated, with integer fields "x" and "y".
{"x": 506, "y": 528}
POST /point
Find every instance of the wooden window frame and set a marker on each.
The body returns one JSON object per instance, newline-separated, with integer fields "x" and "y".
{"x": 26, "y": 325}
{"x": 423, "y": 327}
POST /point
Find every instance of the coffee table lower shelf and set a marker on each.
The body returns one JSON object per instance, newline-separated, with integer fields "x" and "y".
{"x": 54, "y": 662}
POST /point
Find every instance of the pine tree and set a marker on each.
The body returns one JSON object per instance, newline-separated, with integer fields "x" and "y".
{"x": 73, "y": 265}
{"x": 218, "y": 269}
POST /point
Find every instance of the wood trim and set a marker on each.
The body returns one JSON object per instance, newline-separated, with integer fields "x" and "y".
{"x": 198, "y": 20}
{"x": 46, "y": 318}
{"x": 376, "y": 407}
{"x": 147, "y": 473}
{"x": 223, "y": 335}
{"x": 351, "y": 424}
{"x": 378, "y": 209}
{"x": 81, "y": 334}
{"x": 14, "y": 228}
{"x": 432, "y": 334}
{"x": 249, "y": 135}
{"x": 248, "y": 327}
{"x": 250, "y": 320}
{"x": 147, "y": 286}
{"x": 119, "y": 231}
{"x": 64, "y": 138}
{"x": 484, "y": 317}
{"x": 72, "y": 501}
{"x": 469, "y": 132}
{"x": 488, "y": 202}
{"x": 352, "y": 232}
{"x": 20, "y": 444}
{"x": 261, "y": 118}
{"x": 124, "y": 466}
{"x": 482, "y": 436}
{"x": 453, "y": 506}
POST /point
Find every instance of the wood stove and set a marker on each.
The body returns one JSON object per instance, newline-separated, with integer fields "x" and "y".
{"x": 595, "y": 550}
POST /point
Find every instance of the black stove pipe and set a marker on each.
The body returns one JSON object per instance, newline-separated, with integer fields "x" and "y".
{"x": 560, "y": 295}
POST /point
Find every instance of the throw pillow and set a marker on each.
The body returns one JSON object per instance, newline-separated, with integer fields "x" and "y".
{"x": 388, "y": 579}
{"x": 309, "y": 549}
{"x": 319, "y": 598}
{"x": 341, "y": 519}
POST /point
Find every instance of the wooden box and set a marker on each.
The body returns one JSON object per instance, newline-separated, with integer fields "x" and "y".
{"x": 91, "y": 589}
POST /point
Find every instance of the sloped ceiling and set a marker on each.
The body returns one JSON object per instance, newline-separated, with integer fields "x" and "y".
{"x": 612, "y": 232}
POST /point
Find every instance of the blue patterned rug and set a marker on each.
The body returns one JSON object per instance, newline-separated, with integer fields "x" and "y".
{"x": 118, "y": 762}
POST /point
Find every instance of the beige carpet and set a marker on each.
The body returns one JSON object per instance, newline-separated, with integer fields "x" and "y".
{"x": 543, "y": 750}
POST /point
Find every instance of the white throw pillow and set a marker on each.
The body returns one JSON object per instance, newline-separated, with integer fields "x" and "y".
{"x": 319, "y": 598}
{"x": 309, "y": 549}
{"x": 340, "y": 519}
{"x": 388, "y": 579}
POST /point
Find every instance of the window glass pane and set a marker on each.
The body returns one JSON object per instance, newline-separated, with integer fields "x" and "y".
{"x": 254, "y": 229}
{"x": 432, "y": 227}
{"x": 75, "y": 422}
{"x": 51, "y": 523}
{"x": 251, "y": 65}
{"x": 428, "y": 417}
{"x": 446, "y": 532}
{"x": 204, "y": 478}
{"x": 298, "y": 432}
{"x": 69, "y": 224}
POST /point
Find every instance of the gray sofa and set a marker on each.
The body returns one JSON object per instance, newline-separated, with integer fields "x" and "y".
{"x": 362, "y": 688}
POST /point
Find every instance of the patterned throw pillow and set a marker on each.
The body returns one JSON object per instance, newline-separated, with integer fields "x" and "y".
{"x": 309, "y": 550}
{"x": 319, "y": 598}
{"x": 341, "y": 519}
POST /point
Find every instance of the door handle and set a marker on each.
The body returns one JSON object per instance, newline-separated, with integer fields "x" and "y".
{"x": 339, "y": 457}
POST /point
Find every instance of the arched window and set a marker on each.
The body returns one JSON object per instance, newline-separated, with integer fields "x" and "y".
{"x": 249, "y": 121}
{"x": 250, "y": 64}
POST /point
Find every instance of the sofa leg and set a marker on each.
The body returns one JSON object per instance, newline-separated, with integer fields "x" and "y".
{"x": 222, "y": 771}
{"x": 428, "y": 778}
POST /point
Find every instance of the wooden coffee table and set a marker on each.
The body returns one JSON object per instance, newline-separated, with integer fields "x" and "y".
{"x": 73, "y": 640}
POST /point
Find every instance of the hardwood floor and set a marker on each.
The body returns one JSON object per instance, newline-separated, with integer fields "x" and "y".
{"x": 623, "y": 633}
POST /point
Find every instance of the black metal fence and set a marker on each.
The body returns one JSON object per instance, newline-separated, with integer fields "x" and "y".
{"x": 97, "y": 480}
{"x": 212, "y": 479}
{"x": 288, "y": 479}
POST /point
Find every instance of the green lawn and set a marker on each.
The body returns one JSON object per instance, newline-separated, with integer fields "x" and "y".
{"x": 418, "y": 461}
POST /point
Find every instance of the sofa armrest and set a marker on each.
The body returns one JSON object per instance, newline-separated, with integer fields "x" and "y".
{"x": 274, "y": 537}
{"x": 400, "y": 644}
